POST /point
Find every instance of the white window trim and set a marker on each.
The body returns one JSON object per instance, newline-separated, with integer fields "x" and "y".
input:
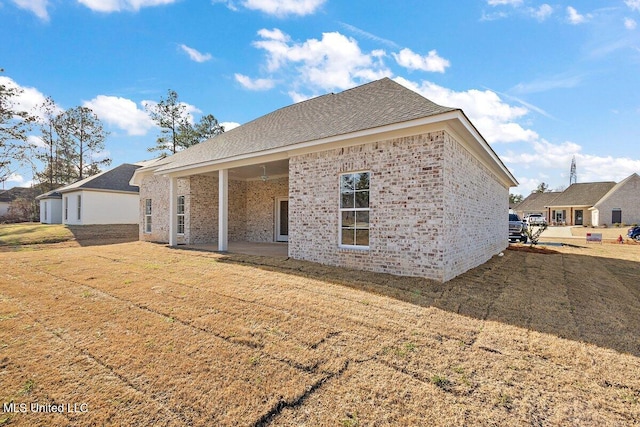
{"x": 354, "y": 209}
{"x": 180, "y": 215}
{"x": 79, "y": 200}
{"x": 148, "y": 216}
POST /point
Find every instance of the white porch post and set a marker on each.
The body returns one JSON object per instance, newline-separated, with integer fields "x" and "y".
{"x": 223, "y": 209}
{"x": 173, "y": 211}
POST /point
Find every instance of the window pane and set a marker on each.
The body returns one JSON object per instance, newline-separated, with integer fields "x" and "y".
{"x": 346, "y": 200}
{"x": 362, "y": 199}
{"x": 348, "y": 219}
{"x": 362, "y": 219}
{"x": 346, "y": 182}
{"x": 362, "y": 237}
{"x": 362, "y": 181}
{"x": 180, "y": 205}
{"x": 348, "y": 236}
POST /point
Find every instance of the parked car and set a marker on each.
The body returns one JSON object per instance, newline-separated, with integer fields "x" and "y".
{"x": 517, "y": 228}
{"x": 535, "y": 219}
{"x": 634, "y": 233}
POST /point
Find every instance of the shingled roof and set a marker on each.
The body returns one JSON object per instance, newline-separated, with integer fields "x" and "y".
{"x": 116, "y": 179}
{"x": 379, "y": 103}
{"x": 582, "y": 194}
{"x": 537, "y": 201}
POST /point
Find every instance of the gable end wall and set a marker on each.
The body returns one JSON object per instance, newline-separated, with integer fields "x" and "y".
{"x": 476, "y": 220}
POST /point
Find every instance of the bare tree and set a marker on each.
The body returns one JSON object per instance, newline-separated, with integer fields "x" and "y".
{"x": 14, "y": 127}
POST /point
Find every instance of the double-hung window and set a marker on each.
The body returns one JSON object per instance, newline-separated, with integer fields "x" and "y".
{"x": 180, "y": 214}
{"x": 79, "y": 207}
{"x": 66, "y": 208}
{"x": 354, "y": 209}
{"x": 147, "y": 215}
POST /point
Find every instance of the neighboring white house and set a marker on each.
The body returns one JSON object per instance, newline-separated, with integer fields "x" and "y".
{"x": 374, "y": 178}
{"x": 105, "y": 198}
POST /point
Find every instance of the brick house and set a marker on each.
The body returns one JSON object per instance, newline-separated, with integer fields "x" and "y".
{"x": 588, "y": 203}
{"x": 374, "y": 178}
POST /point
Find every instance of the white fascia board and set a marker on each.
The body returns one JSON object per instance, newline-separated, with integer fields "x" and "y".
{"x": 98, "y": 190}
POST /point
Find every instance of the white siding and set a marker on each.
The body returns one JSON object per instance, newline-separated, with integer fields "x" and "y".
{"x": 4, "y": 208}
{"x": 53, "y": 211}
{"x": 101, "y": 207}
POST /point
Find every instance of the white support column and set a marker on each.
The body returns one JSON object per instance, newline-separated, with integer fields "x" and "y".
{"x": 173, "y": 211}
{"x": 223, "y": 209}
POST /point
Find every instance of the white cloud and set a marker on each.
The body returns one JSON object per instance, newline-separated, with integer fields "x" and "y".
{"x": 19, "y": 180}
{"x": 633, "y": 4}
{"x": 413, "y": 61}
{"x": 576, "y": 18}
{"x": 504, "y": 2}
{"x": 369, "y": 36}
{"x": 38, "y": 7}
{"x": 542, "y": 12}
{"x": 281, "y": 8}
{"x": 254, "y": 84}
{"x": 108, "y": 6}
{"x": 630, "y": 24}
{"x": 122, "y": 113}
{"x": 194, "y": 54}
{"x": 494, "y": 118}
{"x": 547, "y": 158}
{"x": 36, "y": 141}
{"x": 28, "y": 100}
{"x": 229, "y": 125}
{"x": 561, "y": 81}
{"x": 334, "y": 62}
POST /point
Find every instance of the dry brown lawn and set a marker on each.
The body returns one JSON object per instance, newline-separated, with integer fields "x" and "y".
{"x": 146, "y": 335}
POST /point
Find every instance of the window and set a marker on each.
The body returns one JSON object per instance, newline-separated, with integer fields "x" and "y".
{"x": 180, "y": 214}
{"x": 45, "y": 211}
{"x": 66, "y": 208}
{"x": 354, "y": 209}
{"x": 79, "y": 206}
{"x": 147, "y": 216}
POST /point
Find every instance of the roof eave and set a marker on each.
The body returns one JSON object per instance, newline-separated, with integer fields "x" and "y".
{"x": 417, "y": 126}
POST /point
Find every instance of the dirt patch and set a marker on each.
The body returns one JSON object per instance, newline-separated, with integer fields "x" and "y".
{"x": 145, "y": 335}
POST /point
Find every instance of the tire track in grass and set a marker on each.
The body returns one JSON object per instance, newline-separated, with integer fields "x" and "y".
{"x": 292, "y": 383}
{"x": 53, "y": 372}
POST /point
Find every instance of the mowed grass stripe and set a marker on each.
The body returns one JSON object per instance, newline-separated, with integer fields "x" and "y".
{"x": 368, "y": 359}
{"x": 165, "y": 359}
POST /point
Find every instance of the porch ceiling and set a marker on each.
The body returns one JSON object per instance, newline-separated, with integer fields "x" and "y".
{"x": 255, "y": 172}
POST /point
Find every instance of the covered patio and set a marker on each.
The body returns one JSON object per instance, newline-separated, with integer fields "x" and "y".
{"x": 235, "y": 209}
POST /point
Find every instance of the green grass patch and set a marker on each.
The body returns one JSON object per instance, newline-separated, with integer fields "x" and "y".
{"x": 33, "y": 233}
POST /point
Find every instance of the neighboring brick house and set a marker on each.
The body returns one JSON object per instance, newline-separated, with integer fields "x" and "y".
{"x": 374, "y": 178}
{"x": 588, "y": 203}
{"x": 104, "y": 198}
{"x": 621, "y": 204}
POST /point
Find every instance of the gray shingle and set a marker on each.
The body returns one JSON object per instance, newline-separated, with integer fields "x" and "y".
{"x": 583, "y": 194}
{"x": 379, "y": 103}
{"x": 116, "y": 179}
{"x": 537, "y": 201}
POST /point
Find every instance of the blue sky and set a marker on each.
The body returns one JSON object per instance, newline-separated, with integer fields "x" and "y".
{"x": 543, "y": 82}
